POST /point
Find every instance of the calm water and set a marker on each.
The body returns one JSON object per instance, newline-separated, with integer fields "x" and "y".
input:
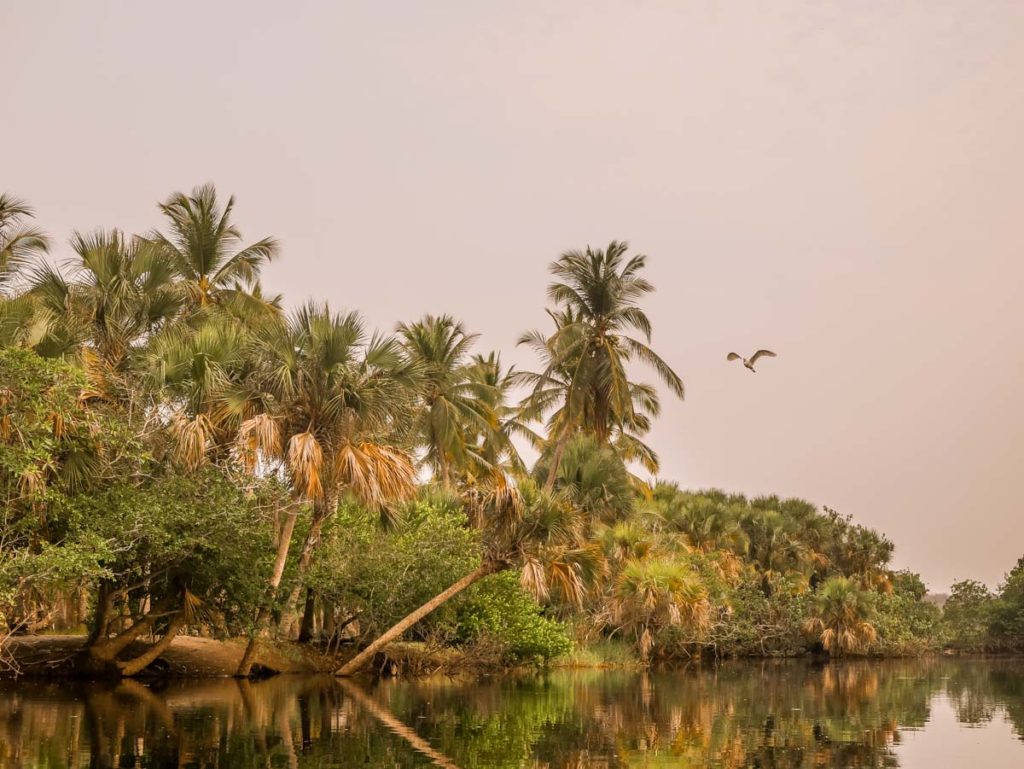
{"x": 920, "y": 714}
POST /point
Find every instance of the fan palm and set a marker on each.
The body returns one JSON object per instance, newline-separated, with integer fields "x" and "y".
{"x": 205, "y": 250}
{"x": 19, "y": 243}
{"x": 654, "y": 593}
{"x": 324, "y": 403}
{"x": 841, "y": 616}
{"x": 707, "y": 521}
{"x": 105, "y": 304}
{"x": 595, "y": 479}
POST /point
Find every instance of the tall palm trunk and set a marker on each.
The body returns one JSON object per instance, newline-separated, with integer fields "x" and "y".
{"x": 395, "y": 631}
{"x": 556, "y": 460}
{"x": 283, "y": 545}
{"x": 322, "y": 510}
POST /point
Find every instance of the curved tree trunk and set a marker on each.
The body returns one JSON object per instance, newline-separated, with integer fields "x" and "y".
{"x": 134, "y": 666}
{"x": 395, "y": 631}
{"x": 284, "y": 542}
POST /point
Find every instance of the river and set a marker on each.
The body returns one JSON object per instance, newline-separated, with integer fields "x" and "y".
{"x": 919, "y": 714}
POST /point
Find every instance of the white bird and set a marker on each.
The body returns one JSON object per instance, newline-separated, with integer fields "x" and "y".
{"x": 749, "y": 362}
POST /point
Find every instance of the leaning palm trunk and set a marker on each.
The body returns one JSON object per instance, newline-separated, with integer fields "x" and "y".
{"x": 359, "y": 661}
{"x": 283, "y": 545}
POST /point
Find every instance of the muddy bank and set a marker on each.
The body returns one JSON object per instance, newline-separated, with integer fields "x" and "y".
{"x": 187, "y": 656}
{"x": 54, "y": 656}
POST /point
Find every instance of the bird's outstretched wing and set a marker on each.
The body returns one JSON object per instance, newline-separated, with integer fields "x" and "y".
{"x": 761, "y": 354}
{"x": 733, "y": 356}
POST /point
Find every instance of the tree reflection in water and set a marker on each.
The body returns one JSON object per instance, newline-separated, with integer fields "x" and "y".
{"x": 785, "y": 714}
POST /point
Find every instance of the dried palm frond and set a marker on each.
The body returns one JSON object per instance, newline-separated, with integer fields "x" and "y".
{"x": 192, "y": 439}
{"x": 258, "y": 435}
{"x": 305, "y": 461}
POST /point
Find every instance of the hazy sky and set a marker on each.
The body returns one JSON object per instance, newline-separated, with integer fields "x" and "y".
{"x": 840, "y": 181}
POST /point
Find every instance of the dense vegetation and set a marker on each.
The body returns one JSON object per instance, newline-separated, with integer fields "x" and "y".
{"x": 180, "y": 455}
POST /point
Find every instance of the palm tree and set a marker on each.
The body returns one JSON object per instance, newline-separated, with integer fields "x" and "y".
{"x": 841, "y": 617}
{"x": 196, "y": 370}
{"x": 325, "y": 403}
{"x": 522, "y": 527}
{"x": 18, "y": 243}
{"x": 594, "y": 478}
{"x": 493, "y": 444}
{"x": 775, "y": 548}
{"x": 597, "y": 322}
{"x": 652, "y": 594}
{"x": 205, "y": 250}
{"x": 105, "y": 305}
{"x": 456, "y": 413}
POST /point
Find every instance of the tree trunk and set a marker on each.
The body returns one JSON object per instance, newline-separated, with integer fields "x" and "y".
{"x": 308, "y": 626}
{"x": 446, "y": 472}
{"x": 556, "y": 460}
{"x": 104, "y": 607}
{"x": 140, "y": 663}
{"x": 107, "y": 649}
{"x": 321, "y": 512}
{"x": 283, "y": 545}
{"x": 396, "y": 630}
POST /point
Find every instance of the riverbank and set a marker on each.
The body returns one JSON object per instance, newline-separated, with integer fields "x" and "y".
{"x": 53, "y": 656}
{"x": 49, "y": 656}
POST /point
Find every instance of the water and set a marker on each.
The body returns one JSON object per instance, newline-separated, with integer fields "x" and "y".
{"x": 922, "y": 714}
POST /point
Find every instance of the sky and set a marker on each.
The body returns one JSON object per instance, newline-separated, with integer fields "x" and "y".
{"x": 841, "y": 182}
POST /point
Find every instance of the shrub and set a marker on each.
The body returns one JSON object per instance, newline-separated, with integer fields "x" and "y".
{"x": 499, "y": 611}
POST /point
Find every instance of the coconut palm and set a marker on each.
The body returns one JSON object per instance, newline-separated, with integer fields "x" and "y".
{"x": 598, "y": 321}
{"x": 494, "y": 445}
{"x": 551, "y": 393}
{"x": 522, "y": 527}
{"x": 205, "y": 250}
{"x": 19, "y": 243}
{"x": 456, "y": 414}
{"x": 841, "y": 616}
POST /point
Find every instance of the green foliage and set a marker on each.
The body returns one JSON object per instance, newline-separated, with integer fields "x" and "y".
{"x": 202, "y": 533}
{"x": 906, "y": 624}
{"x": 751, "y": 623}
{"x": 384, "y": 575}
{"x": 967, "y": 614}
{"x": 499, "y": 611}
{"x": 53, "y": 444}
{"x": 1006, "y": 625}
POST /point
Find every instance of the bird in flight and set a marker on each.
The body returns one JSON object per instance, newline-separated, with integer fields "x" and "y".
{"x": 749, "y": 362}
